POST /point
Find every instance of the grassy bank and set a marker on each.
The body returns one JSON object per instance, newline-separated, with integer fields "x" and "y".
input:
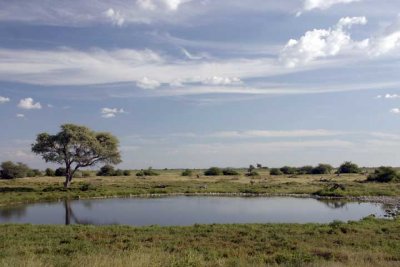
{"x": 370, "y": 242}
{"x": 169, "y": 182}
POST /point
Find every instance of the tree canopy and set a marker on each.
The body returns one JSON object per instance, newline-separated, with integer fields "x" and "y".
{"x": 77, "y": 147}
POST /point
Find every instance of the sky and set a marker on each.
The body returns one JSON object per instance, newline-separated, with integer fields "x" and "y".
{"x": 200, "y": 83}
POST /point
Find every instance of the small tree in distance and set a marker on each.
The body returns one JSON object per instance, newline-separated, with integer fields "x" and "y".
{"x": 77, "y": 147}
{"x": 349, "y": 167}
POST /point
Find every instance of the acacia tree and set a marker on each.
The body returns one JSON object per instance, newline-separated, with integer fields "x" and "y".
{"x": 77, "y": 147}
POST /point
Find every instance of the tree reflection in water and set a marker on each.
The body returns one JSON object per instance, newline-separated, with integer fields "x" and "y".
{"x": 9, "y": 212}
{"x": 334, "y": 204}
{"x": 70, "y": 216}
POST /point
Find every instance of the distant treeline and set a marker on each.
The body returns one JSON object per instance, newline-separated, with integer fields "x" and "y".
{"x": 11, "y": 170}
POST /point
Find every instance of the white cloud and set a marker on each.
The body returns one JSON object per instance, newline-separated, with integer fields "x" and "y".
{"x": 19, "y": 115}
{"x": 115, "y": 17}
{"x": 28, "y": 103}
{"x": 4, "y": 99}
{"x": 324, "y": 4}
{"x": 277, "y": 134}
{"x": 216, "y": 80}
{"x": 395, "y": 110}
{"x": 388, "y": 41}
{"x": 389, "y": 96}
{"x": 147, "y": 83}
{"x": 111, "y": 112}
{"x": 152, "y": 5}
{"x": 322, "y": 43}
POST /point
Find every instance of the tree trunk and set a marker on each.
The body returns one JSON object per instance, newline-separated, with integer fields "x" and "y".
{"x": 68, "y": 179}
{"x": 68, "y": 212}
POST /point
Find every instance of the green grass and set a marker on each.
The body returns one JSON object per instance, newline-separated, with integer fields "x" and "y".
{"x": 370, "y": 242}
{"x": 170, "y": 182}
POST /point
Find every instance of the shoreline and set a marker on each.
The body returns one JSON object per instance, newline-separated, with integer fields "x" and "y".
{"x": 392, "y": 202}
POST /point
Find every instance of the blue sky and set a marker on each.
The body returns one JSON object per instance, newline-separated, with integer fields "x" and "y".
{"x": 198, "y": 83}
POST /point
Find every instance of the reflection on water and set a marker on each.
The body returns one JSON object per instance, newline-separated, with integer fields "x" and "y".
{"x": 9, "y": 212}
{"x": 190, "y": 210}
{"x": 334, "y": 204}
{"x": 70, "y": 215}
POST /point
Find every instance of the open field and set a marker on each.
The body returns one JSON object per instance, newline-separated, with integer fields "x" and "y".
{"x": 370, "y": 242}
{"x": 171, "y": 182}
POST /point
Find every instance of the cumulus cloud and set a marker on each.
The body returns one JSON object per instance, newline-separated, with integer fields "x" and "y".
{"x": 324, "y": 4}
{"x": 108, "y": 113}
{"x": 389, "y": 96}
{"x": 147, "y": 83}
{"x": 395, "y": 110}
{"x": 388, "y": 41}
{"x": 217, "y": 80}
{"x": 29, "y": 103}
{"x": 115, "y": 17}
{"x": 152, "y": 5}
{"x": 322, "y": 43}
{"x": 4, "y": 99}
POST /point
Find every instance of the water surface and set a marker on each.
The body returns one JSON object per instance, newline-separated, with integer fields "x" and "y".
{"x": 189, "y": 211}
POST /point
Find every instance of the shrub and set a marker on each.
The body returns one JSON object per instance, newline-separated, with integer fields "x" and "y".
{"x": 229, "y": 172}
{"x": 288, "y": 170}
{"x": 86, "y": 174}
{"x": 49, "y": 172}
{"x": 275, "y": 171}
{"x": 349, "y": 167}
{"x": 34, "y": 173}
{"x": 384, "y": 175}
{"x": 187, "y": 172}
{"x": 148, "y": 172}
{"x": 10, "y": 170}
{"x": 252, "y": 174}
{"x": 78, "y": 174}
{"x": 213, "y": 171}
{"x": 305, "y": 170}
{"x": 118, "y": 172}
{"x": 60, "y": 172}
{"x": 127, "y": 173}
{"x": 106, "y": 170}
{"x": 322, "y": 169}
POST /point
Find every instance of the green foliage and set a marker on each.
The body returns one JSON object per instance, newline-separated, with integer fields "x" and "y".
{"x": 288, "y": 170}
{"x": 305, "y": 170}
{"x": 119, "y": 172}
{"x": 49, "y": 172}
{"x": 384, "y": 175}
{"x": 77, "y": 147}
{"x": 230, "y": 172}
{"x": 34, "y": 173}
{"x": 349, "y": 167}
{"x": 187, "y": 172}
{"x": 322, "y": 169}
{"x": 148, "y": 172}
{"x": 86, "y": 174}
{"x": 10, "y": 170}
{"x": 60, "y": 172}
{"x": 253, "y": 173}
{"x": 275, "y": 171}
{"x": 213, "y": 171}
{"x": 106, "y": 170}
